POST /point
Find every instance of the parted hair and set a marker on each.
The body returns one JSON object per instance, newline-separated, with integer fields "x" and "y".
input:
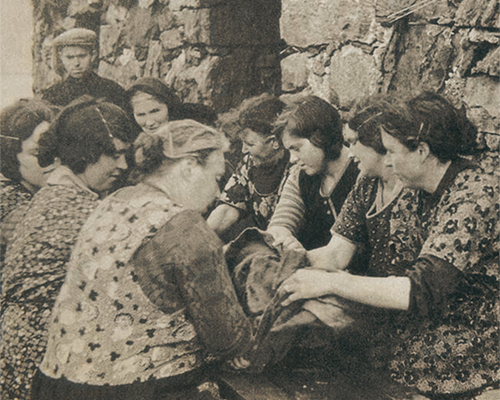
{"x": 82, "y": 132}
{"x": 260, "y": 113}
{"x": 17, "y": 123}
{"x": 318, "y": 121}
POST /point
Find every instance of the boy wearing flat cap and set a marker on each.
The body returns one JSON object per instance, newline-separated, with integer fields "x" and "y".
{"x": 74, "y": 55}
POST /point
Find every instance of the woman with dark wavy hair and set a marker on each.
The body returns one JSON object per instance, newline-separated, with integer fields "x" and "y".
{"x": 321, "y": 179}
{"x": 446, "y": 340}
{"x": 89, "y": 139}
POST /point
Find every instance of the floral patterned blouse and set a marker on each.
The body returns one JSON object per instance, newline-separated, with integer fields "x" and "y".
{"x": 255, "y": 189}
{"x": 147, "y": 296}
{"x": 35, "y": 268}
{"x": 389, "y": 234}
{"x": 450, "y": 341}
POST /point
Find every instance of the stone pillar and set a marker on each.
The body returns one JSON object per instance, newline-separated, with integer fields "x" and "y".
{"x": 215, "y": 52}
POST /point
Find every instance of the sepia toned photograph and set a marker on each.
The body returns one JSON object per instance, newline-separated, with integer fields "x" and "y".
{"x": 250, "y": 199}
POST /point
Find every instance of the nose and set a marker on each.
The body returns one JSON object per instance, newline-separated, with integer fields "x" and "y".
{"x": 244, "y": 149}
{"x": 388, "y": 160}
{"x": 122, "y": 162}
{"x": 149, "y": 121}
{"x": 293, "y": 158}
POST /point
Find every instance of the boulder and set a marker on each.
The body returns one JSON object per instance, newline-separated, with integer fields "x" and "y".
{"x": 294, "y": 72}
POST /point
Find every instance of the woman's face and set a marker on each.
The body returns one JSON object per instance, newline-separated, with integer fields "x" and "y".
{"x": 259, "y": 147}
{"x": 204, "y": 185}
{"x": 149, "y": 113}
{"x": 406, "y": 164}
{"x": 370, "y": 163}
{"x": 29, "y": 168}
{"x": 307, "y": 156}
{"x": 101, "y": 175}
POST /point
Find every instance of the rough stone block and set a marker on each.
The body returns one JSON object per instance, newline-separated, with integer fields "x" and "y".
{"x": 294, "y": 72}
{"x": 140, "y": 28}
{"x": 489, "y": 65}
{"x": 116, "y": 14}
{"x": 108, "y": 40}
{"x": 426, "y": 59}
{"x": 353, "y": 75}
{"x": 311, "y": 22}
{"x": 154, "y": 59}
{"x": 196, "y": 25}
{"x": 478, "y": 13}
{"x": 483, "y": 91}
{"x": 171, "y": 39}
{"x": 178, "y": 5}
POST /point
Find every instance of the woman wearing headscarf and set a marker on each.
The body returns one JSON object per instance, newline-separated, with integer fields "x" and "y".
{"x": 148, "y": 303}
{"x": 90, "y": 139}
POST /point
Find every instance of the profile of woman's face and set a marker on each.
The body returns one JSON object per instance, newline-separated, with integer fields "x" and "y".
{"x": 259, "y": 147}
{"x": 101, "y": 175}
{"x": 204, "y": 187}
{"x": 30, "y": 170}
{"x": 149, "y": 112}
{"x": 370, "y": 163}
{"x": 308, "y": 157}
{"x": 406, "y": 163}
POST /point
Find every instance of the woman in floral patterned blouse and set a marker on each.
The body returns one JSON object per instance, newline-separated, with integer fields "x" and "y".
{"x": 253, "y": 188}
{"x": 447, "y": 341}
{"x": 148, "y": 301}
{"x": 89, "y": 139}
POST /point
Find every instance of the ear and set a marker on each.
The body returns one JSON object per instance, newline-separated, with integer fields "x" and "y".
{"x": 188, "y": 168}
{"x": 275, "y": 142}
{"x": 423, "y": 150}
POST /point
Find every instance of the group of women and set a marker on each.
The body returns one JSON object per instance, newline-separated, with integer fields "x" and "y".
{"x": 115, "y": 281}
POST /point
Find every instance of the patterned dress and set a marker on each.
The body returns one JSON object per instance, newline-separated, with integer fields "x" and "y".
{"x": 35, "y": 268}
{"x": 254, "y": 189}
{"x": 389, "y": 234}
{"x": 147, "y": 299}
{"x": 12, "y": 196}
{"x": 450, "y": 341}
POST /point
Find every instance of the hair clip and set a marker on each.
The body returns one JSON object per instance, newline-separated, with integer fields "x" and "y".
{"x": 10, "y": 137}
{"x": 369, "y": 119}
{"x": 105, "y": 122}
{"x": 419, "y": 134}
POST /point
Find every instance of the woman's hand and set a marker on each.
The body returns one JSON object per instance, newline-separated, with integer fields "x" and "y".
{"x": 284, "y": 238}
{"x": 239, "y": 363}
{"x": 306, "y": 284}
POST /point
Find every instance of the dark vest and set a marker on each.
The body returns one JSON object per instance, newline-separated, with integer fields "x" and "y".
{"x": 318, "y": 219}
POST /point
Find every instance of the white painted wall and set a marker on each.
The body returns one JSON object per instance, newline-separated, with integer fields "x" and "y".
{"x": 16, "y": 31}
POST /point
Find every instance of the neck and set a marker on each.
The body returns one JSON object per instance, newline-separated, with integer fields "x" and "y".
{"x": 433, "y": 174}
{"x": 33, "y": 189}
{"x": 389, "y": 182}
{"x": 333, "y": 168}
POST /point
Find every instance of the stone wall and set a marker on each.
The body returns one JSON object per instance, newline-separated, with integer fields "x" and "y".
{"x": 216, "y": 52}
{"x": 343, "y": 50}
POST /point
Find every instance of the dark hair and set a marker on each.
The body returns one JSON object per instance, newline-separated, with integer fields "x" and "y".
{"x": 82, "y": 132}
{"x": 260, "y": 114}
{"x": 367, "y": 119}
{"x": 17, "y": 123}
{"x": 198, "y": 112}
{"x": 447, "y": 130}
{"x": 319, "y": 122}
{"x": 160, "y": 91}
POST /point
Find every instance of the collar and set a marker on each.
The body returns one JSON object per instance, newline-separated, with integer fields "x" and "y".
{"x": 62, "y": 175}
{"x": 449, "y": 176}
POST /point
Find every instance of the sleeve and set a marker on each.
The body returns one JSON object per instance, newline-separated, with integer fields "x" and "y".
{"x": 462, "y": 235}
{"x": 189, "y": 260}
{"x": 290, "y": 209}
{"x": 465, "y": 228}
{"x": 351, "y": 222}
{"x": 237, "y": 193}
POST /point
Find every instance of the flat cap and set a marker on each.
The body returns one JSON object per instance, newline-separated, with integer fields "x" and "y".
{"x": 76, "y": 37}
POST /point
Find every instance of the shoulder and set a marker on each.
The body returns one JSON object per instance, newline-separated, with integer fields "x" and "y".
{"x": 108, "y": 83}
{"x": 471, "y": 185}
